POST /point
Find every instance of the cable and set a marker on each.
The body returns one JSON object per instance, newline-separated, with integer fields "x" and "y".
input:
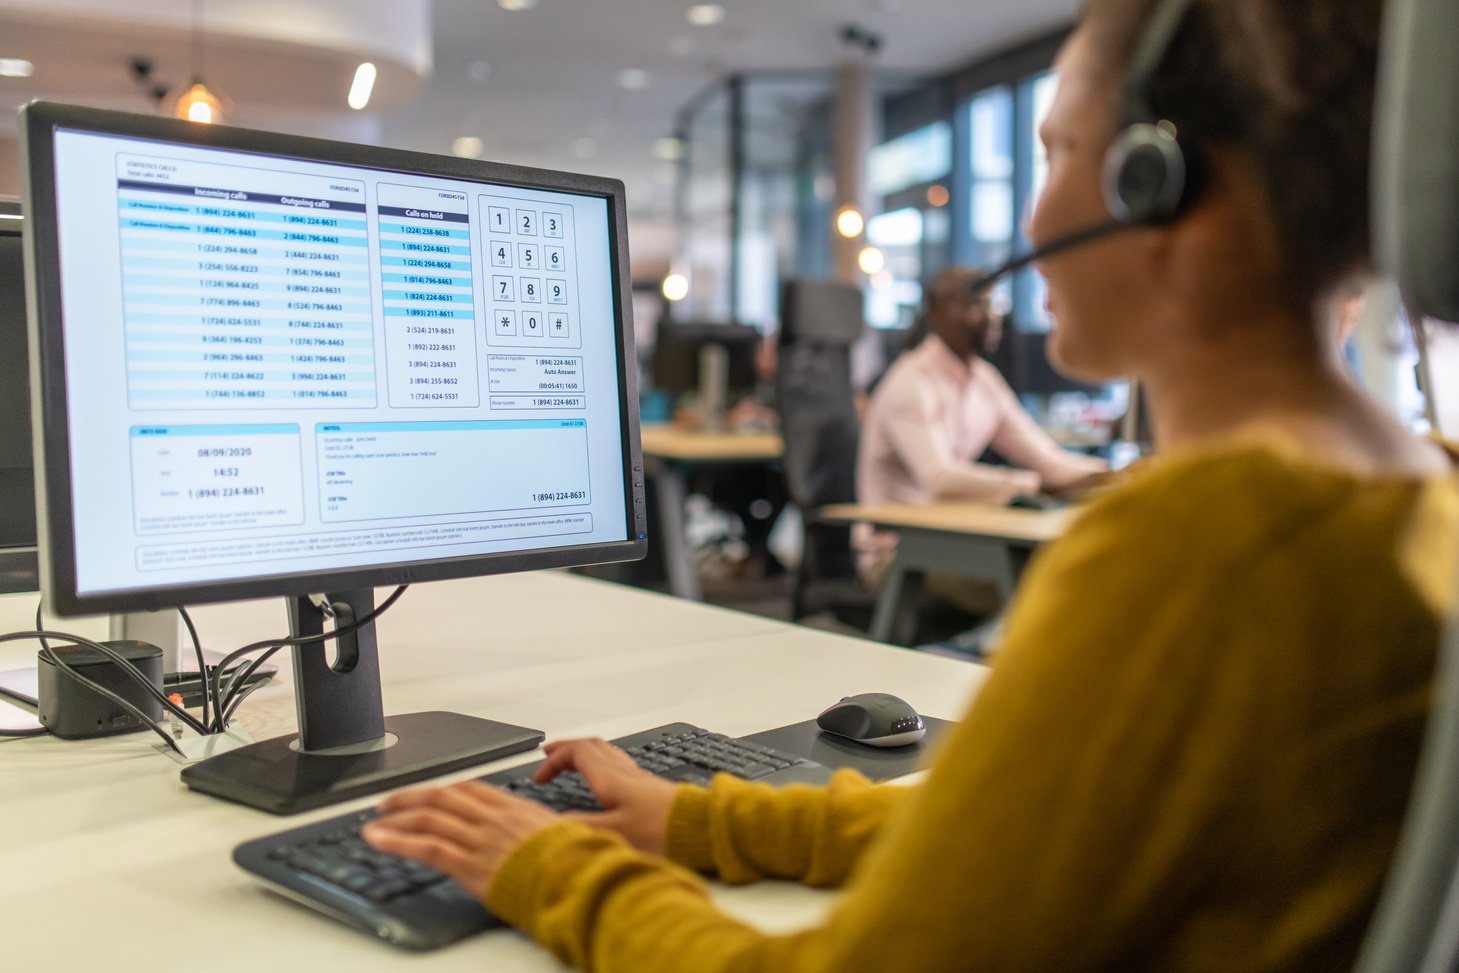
{"x": 1077, "y": 238}
{"x": 37, "y": 732}
{"x": 126, "y": 666}
{"x": 227, "y": 699}
{"x": 40, "y": 625}
{"x": 131, "y": 671}
{"x": 202, "y": 663}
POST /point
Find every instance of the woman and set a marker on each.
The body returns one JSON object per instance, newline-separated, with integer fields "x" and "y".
{"x": 1196, "y": 746}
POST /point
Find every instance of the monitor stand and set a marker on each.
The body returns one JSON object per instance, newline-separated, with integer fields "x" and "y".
{"x": 346, "y": 746}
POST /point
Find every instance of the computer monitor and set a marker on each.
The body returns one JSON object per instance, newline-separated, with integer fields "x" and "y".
{"x": 17, "y": 477}
{"x": 272, "y": 365}
{"x": 677, "y": 348}
{"x": 1024, "y": 358}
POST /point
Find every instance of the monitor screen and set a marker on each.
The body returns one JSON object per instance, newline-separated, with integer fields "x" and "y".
{"x": 276, "y": 365}
{"x": 17, "y": 476}
{"x": 677, "y": 347}
{"x": 294, "y": 365}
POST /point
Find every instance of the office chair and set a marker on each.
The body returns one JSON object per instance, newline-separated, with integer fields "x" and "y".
{"x": 1415, "y": 928}
{"x": 820, "y": 320}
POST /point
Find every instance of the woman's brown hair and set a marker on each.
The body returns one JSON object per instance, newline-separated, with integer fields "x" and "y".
{"x": 1289, "y": 84}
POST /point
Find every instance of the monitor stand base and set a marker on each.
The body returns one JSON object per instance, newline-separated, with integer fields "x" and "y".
{"x": 277, "y": 777}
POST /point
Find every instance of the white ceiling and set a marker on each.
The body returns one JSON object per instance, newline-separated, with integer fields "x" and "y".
{"x": 538, "y": 86}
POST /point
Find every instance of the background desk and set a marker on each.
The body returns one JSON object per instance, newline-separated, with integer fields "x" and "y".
{"x": 107, "y": 862}
{"x": 976, "y": 540}
{"x": 667, "y": 449}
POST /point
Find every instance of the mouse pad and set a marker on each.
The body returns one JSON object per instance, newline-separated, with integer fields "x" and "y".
{"x": 875, "y": 763}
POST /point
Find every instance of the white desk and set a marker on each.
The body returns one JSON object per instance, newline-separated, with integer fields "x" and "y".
{"x": 975, "y": 540}
{"x": 103, "y": 834}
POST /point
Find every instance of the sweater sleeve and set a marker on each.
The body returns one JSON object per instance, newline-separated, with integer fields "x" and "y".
{"x": 1020, "y": 441}
{"x": 745, "y": 832}
{"x": 1099, "y": 754}
{"x": 1192, "y": 754}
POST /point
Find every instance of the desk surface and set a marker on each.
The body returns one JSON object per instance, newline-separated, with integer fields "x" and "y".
{"x": 677, "y": 443}
{"x": 105, "y": 830}
{"x": 975, "y": 519}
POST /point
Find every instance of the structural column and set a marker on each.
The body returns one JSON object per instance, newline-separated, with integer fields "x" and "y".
{"x": 856, "y": 131}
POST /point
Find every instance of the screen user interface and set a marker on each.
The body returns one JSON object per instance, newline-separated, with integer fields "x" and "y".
{"x": 280, "y": 365}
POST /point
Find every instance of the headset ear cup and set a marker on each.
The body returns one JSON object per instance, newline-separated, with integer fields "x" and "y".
{"x": 1145, "y": 175}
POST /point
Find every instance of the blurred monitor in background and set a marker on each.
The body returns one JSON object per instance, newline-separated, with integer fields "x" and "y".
{"x": 677, "y": 353}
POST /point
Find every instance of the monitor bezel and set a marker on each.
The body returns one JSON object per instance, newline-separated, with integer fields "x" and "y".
{"x": 56, "y": 529}
{"x": 19, "y": 571}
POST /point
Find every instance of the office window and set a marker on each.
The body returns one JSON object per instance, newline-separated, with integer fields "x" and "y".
{"x": 991, "y": 205}
{"x": 707, "y": 189}
{"x": 921, "y": 156}
{"x": 1030, "y": 294}
{"x": 895, "y": 292}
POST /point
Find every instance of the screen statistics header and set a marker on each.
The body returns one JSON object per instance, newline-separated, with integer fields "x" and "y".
{"x": 293, "y": 359}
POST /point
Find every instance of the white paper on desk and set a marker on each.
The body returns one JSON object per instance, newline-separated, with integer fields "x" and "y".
{"x": 15, "y": 718}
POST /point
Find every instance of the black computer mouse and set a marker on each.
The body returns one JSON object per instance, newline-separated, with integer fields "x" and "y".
{"x": 875, "y": 719}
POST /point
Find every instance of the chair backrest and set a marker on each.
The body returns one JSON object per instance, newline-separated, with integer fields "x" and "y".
{"x": 1415, "y": 928}
{"x": 827, "y": 311}
{"x": 1416, "y": 155}
{"x": 820, "y": 427}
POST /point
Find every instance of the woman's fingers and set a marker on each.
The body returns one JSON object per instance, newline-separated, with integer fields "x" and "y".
{"x": 468, "y": 804}
{"x": 396, "y": 837}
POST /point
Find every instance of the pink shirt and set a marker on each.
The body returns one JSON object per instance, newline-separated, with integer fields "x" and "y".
{"x": 931, "y": 418}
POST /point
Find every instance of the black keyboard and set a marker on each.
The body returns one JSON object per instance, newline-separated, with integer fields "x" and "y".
{"x": 329, "y": 867}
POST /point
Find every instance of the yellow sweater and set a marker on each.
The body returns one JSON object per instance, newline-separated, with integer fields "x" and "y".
{"x": 1193, "y": 753}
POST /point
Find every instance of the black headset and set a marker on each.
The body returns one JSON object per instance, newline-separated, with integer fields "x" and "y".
{"x": 1148, "y": 175}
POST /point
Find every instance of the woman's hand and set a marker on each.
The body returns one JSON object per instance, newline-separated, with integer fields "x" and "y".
{"x": 465, "y": 830}
{"x": 635, "y": 802}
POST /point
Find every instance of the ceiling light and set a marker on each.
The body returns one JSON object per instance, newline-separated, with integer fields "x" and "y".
{"x": 633, "y": 79}
{"x": 516, "y": 4}
{"x": 704, "y": 14}
{"x": 467, "y": 147}
{"x": 669, "y": 149}
{"x": 364, "y": 84}
{"x": 676, "y": 287}
{"x": 198, "y": 104}
{"x": 15, "y": 67}
{"x": 871, "y": 260}
{"x": 849, "y": 222}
